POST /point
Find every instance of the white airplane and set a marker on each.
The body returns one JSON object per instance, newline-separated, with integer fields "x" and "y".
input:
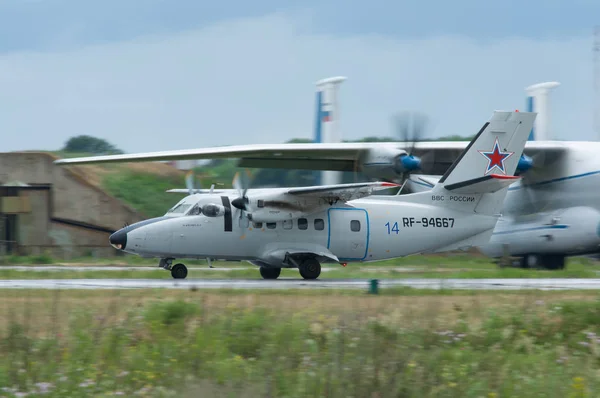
{"x": 553, "y": 212}
{"x": 302, "y": 227}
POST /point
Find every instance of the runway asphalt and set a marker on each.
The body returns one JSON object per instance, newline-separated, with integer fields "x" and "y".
{"x": 285, "y": 283}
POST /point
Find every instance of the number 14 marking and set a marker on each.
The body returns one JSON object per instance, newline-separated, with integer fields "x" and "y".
{"x": 393, "y": 228}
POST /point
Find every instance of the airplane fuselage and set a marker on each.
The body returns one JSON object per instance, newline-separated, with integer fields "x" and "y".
{"x": 367, "y": 229}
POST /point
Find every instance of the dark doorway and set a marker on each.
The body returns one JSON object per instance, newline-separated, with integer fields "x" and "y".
{"x": 8, "y": 232}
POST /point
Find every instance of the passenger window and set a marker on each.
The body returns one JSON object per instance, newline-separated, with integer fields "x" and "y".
{"x": 288, "y": 224}
{"x": 260, "y": 203}
{"x": 302, "y": 223}
{"x": 257, "y": 225}
{"x": 271, "y": 225}
{"x": 355, "y": 225}
{"x": 319, "y": 224}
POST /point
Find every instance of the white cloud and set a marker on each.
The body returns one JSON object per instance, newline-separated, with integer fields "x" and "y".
{"x": 251, "y": 81}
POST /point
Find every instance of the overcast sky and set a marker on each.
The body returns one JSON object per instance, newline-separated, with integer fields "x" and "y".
{"x": 156, "y": 75}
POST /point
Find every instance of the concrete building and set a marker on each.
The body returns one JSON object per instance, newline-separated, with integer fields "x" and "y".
{"x": 55, "y": 210}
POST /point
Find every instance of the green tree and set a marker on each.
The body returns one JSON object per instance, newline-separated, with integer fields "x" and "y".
{"x": 89, "y": 144}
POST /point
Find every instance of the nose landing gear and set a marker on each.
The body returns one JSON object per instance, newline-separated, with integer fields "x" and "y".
{"x": 178, "y": 271}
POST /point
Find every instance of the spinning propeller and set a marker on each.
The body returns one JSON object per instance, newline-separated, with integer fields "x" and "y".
{"x": 410, "y": 128}
{"x": 241, "y": 182}
{"x": 190, "y": 178}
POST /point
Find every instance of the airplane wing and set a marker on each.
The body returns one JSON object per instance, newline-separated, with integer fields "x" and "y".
{"x": 316, "y": 156}
{"x": 339, "y": 156}
{"x": 343, "y": 192}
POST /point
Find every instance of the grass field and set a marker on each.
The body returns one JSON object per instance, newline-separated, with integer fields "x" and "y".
{"x": 218, "y": 344}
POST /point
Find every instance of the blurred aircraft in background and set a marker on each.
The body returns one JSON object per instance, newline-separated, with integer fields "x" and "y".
{"x": 551, "y": 213}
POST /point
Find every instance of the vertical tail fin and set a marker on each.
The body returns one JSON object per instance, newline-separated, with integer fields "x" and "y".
{"x": 488, "y": 164}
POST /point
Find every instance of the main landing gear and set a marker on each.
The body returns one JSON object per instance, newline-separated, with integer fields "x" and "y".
{"x": 547, "y": 261}
{"x": 178, "y": 271}
{"x": 270, "y": 273}
{"x": 309, "y": 269}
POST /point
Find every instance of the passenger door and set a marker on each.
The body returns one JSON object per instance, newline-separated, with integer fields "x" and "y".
{"x": 348, "y": 236}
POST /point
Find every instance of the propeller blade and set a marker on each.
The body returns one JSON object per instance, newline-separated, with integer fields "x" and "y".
{"x": 410, "y": 129}
{"x": 241, "y": 182}
{"x": 189, "y": 182}
{"x": 237, "y": 184}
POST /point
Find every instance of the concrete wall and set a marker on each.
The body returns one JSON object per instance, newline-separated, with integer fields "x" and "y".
{"x": 73, "y": 218}
{"x": 73, "y": 197}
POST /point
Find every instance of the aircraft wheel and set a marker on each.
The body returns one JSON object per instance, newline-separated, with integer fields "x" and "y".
{"x": 531, "y": 261}
{"x": 179, "y": 271}
{"x": 554, "y": 261}
{"x": 270, "y": 273}
{"x": 310, "y": 269}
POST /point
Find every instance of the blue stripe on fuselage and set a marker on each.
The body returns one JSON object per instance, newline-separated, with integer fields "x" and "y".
{"x": 558, "y": 226}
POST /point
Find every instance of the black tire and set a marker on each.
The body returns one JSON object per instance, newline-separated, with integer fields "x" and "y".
{"x": 179, "y": 271}
{"x": 532, "y": 261}
{"x": 310, "y": 269}
{"x": 270, "y": 273}
{"x": 554, "y": 261}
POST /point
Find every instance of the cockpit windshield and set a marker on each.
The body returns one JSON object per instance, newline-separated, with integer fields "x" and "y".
{"x": 179, "y": 208}
{"x": 195, "y": 207}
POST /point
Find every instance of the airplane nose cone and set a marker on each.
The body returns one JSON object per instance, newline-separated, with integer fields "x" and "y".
{"x": 239, "y": 203}
{"x": 118, "y": 240}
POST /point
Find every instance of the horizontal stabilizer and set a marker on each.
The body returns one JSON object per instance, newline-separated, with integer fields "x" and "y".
{"x": 486, "y": 184}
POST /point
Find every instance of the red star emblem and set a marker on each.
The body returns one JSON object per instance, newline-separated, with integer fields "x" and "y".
{"x": 496, "y": 158}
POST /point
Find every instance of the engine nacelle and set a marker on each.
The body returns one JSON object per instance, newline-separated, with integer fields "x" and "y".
{"x": 388, "y": 163}
{"x": 213, "y": 210}
{"x": 575, "y": 230}
{"x": 273, "y": 215}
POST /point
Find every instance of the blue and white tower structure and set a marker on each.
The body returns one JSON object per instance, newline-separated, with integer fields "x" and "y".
{"x": 327, "y": 122}
{"x": 538, "y": 101}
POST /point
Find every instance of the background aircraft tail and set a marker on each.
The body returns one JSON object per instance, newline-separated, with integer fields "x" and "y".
{"x": 538, "y": 102}
{"x": 327, "y": 122}
{"x": 478, "y": 180}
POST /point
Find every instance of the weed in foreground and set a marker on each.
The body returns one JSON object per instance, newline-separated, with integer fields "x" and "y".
{"x": 249, "y": 348}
